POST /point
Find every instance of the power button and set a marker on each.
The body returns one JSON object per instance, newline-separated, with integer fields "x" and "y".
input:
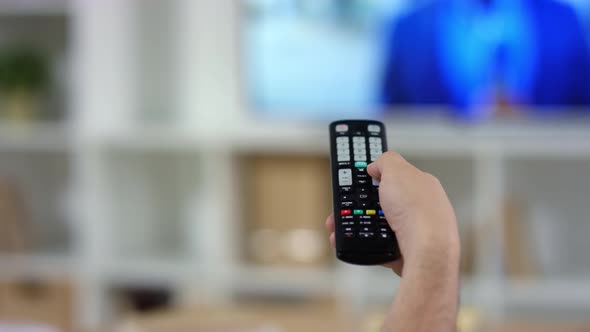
{"x": 341, "y": 128}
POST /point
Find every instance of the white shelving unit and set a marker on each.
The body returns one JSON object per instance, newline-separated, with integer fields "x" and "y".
{"x": 33, "y": 7}
{"x": 115, "y": 151}
{"x": 31, "y": 138}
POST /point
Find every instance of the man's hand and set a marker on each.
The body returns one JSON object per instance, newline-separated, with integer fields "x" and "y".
{"x": 419, "y": 212}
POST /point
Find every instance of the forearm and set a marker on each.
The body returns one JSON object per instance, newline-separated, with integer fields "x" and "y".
{"x": 427, "y": 298}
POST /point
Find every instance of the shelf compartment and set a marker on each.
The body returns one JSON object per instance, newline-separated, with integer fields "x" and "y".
{"x": 150, "y": 194}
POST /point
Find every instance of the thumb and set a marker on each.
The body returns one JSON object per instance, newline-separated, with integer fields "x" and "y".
{"x": 374, "y": 170}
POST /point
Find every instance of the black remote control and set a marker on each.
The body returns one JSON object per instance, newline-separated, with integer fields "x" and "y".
{"x": 363, "y": 236}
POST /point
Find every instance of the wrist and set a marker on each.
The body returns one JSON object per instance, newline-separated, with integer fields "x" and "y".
{"x": 436, "y": 255}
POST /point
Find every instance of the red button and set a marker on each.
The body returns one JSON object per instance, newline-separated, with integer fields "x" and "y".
{"x": 345, "y": 212}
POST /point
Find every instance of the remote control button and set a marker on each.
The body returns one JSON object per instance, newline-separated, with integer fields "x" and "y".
{"x": 345, "y": 181}
{"x": 371, "y": 212}
{"x": 358, "y": 139}
{"x": 362, "y": 182}
{"x": 380, "y": 212}
{"x": 384, "y": 235}
{"x": 345, "y": 212}
{"x": 343, "y": 158}
{"x": 358, "y": 212}
{"x": 360, "y": 164}
{"x": 375, "y": 140}
{"x": 341, "y": 128}
{"x": 376, "y": 152}
{"x": 343, "y": 146}
{"x": 375, "y": 146}
{"x": 360, "y": 157}
{"x": 342, "y": 139}
{"x": 346, "y": 197}
{"x": 373, "y": 158}
{"x": 346, "y": 204}
{"x": 347, "y": 223}
{"x": 365, "y": 205}
{"x": 364, "y": 222}
{"x": 363, "y": 197}
{"x": 362, "y": 176}
{"x": 375, "y": 182}
{"x": 348, "y": 229}
{"x": 374, "y": 128}
{"x": 345, "y": 172}
{"x": 358, "y": 145}
{"x": 363, "y": 190}
{"x": 359, "y": 151}
{"x": 366, "y": 235}
{"x": 343, "y": 152}
{"x": 347, "y": 217}
{"x": 348, "y": 235}
{"x": 345, "y": 190}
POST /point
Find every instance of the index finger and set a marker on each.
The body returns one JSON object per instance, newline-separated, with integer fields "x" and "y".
{"x": 330, "y": 223}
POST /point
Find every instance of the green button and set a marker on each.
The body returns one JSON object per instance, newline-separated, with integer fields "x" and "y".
{"x": 357, "y": 212}
{"x": 360, "y": 164}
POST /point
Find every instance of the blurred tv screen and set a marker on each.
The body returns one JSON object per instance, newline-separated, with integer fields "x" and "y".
{"x": 475, "y": 58}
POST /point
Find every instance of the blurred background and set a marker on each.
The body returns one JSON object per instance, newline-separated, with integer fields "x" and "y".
{"x": 164, "y": 164}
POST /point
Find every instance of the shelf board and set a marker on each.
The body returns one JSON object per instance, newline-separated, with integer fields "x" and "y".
{"x": 284, "y": 280}
{"x": 151, "y": 139}
{"x": 441, "y": 139}
{"x": 34, "y": 7}
{"x": 49, "y": 137}
{"x": 151, "y": 272}
{"x": 559, "y": 294}
{"x": 35, "y": 266}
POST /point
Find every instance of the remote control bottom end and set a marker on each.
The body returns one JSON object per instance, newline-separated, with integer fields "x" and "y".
{"x": 366, "y": 259}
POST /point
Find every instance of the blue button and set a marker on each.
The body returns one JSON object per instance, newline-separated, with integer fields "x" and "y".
{"x": 380, "y": 212}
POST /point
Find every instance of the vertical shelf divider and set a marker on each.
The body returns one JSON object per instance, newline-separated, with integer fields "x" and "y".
{"x": 488, "y": 200}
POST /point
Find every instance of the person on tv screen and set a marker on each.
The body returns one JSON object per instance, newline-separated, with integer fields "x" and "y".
{"x": 501, "y": 53}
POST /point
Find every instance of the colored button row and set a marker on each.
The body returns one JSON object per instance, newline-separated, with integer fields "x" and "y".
{"x": 348, "y": 212}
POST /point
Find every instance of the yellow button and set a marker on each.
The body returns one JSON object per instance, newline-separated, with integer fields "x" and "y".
{"x": 371, "y": 212}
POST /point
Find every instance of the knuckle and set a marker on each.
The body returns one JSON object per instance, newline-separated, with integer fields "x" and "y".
{"x": 433, "y": 179}
{"x": 392, "y": 155}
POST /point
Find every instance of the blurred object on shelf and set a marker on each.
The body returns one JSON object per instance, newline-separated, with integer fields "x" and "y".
{"x": 518, "y": 256}
{"x": 469, "y": 320}
{"x": 245, "y": 317}
{"x": 540, "y": 326}
{"x": 13, "y": 218}
{"x": 48, "y": 303}
{"x": 144, "y": 299}
{"x": 24, "y": 79}
{"x": 287, "y": 200}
